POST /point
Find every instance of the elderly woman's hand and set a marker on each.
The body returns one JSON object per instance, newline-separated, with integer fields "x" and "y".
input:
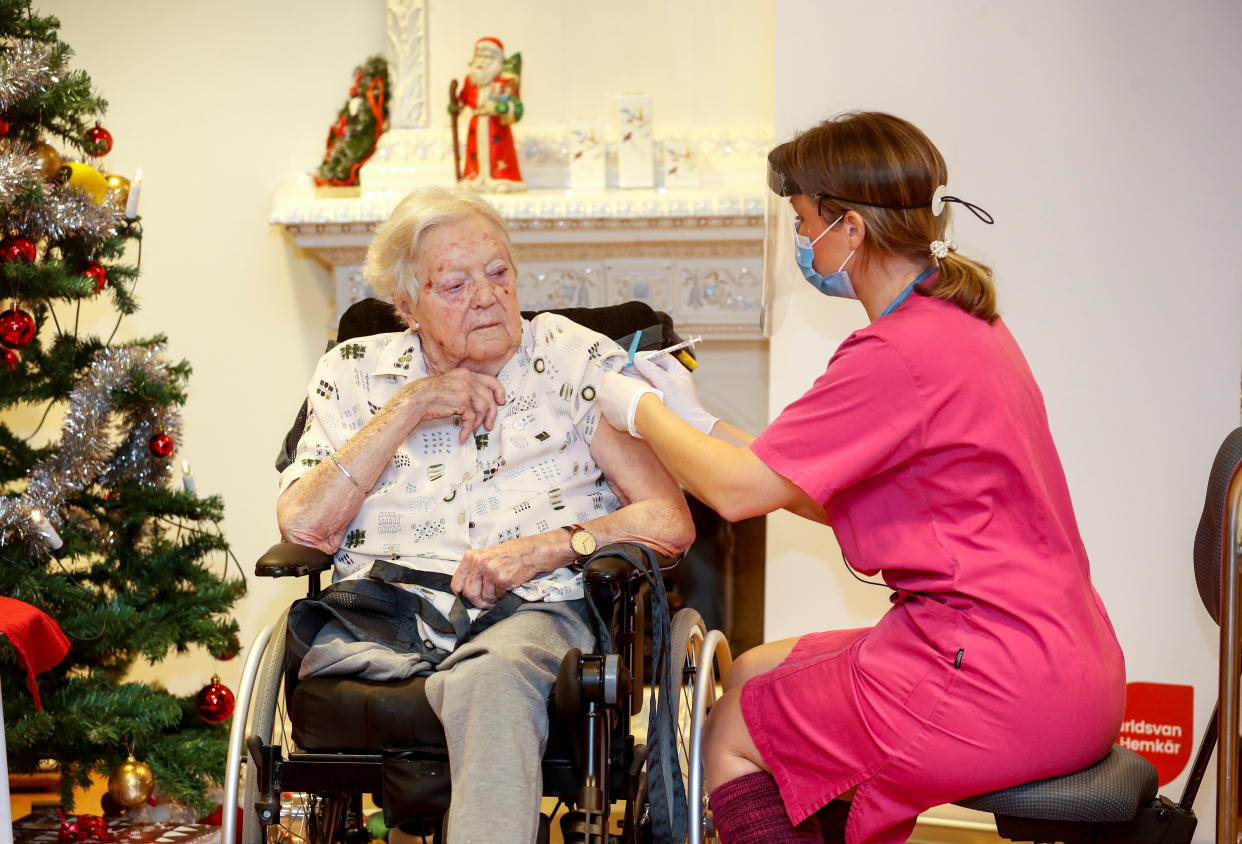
{"x": 459, "y": 392}
{"x": 485, "y": 574}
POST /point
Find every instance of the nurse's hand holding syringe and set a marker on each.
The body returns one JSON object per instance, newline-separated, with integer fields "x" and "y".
{"x": 666, "y": 372}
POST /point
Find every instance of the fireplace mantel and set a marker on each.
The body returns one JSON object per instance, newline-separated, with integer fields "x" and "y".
{"x": 695, "y": 253}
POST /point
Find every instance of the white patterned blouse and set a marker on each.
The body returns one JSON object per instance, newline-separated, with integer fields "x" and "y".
{"x": 531, "y": 473}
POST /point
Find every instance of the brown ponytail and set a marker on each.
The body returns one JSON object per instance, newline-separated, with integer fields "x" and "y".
{"x": 966, "y": 283}
{"x": 877, "y": 159}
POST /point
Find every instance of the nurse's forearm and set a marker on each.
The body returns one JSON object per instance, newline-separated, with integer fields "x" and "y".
{"x": 726, "y": 477}
{"x": 731, "y": 434}
{"x": 719, "y": 469}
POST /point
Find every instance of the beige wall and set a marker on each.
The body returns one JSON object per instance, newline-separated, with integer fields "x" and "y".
{"x": 703, "y": 62}
{"x": 218, "y": 102}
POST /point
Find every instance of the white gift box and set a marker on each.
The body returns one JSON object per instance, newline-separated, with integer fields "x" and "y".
{"x": 588, "y": 165}
{"x": 635, "y": 146}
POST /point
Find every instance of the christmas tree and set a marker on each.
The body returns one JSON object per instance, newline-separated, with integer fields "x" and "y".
{"x": 94, "y": 528}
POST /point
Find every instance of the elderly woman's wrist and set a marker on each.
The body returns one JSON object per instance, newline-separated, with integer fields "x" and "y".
{"x": 557, "y": 550}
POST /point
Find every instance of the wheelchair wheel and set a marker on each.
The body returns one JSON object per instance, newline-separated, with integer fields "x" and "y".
{"x": 264, "y": 702}
{"x": 315, "y": 819}
{"x": 704, "y": 658}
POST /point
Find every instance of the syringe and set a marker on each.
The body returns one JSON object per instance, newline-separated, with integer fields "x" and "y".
{"x": 671, "y": 349}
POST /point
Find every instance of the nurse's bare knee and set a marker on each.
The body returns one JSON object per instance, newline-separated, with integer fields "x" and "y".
{"x": 759, "y": 660}
{"x": 728, "y": 751}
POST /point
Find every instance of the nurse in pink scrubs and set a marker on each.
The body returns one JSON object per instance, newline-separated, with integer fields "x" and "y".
{"x": 925, "y": 446}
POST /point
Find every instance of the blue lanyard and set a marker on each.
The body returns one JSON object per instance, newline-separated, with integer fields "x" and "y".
{"x": 901, "y": 297}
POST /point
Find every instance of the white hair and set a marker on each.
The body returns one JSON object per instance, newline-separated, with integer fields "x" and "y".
{"x": 389, "y": 266}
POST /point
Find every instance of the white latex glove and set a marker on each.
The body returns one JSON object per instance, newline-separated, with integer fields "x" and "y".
{"x": 619, "y": 396}
{"x": 667, "y": 374}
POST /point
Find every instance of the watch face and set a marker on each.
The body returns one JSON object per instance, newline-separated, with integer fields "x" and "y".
{"x": 582, "y": 542}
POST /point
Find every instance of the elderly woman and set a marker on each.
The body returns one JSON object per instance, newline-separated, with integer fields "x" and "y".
{"x": 471, "y": 445}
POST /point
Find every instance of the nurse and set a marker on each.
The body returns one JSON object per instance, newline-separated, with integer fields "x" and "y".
{"x": 925, "y": 445}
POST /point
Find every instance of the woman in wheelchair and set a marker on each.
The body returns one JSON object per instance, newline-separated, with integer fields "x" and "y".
{"x": 925, "y": 445}
{"x": 467, "y": 457}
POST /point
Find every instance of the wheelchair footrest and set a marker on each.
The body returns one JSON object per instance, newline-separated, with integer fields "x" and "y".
{"x": 1160, "y": 821}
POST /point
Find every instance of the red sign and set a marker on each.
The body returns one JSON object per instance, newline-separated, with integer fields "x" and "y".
{"x": 1159, "y": 726}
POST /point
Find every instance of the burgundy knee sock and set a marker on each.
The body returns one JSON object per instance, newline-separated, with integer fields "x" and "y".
{"x": 832, "y": 821}
{"x": 749, "y": 809}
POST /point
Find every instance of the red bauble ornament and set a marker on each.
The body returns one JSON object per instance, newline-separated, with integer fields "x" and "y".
{"x": 68, "y": 832}
{"x": 101, "y": 138}
{"x": 96, "y": 273}
{"x": 215, "y": 702}
{"x": 93, "y": 828}
{"x": 161, "y": 445}
{"x": 17, "y": 249}
{"x": 4, "y": 127}
{"x": 10, "y": 359}
{"x": 17, "y": 328}
{"x": 110, "y": 807}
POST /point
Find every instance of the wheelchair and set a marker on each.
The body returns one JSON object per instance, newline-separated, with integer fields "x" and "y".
{"x": 335, "y": 739}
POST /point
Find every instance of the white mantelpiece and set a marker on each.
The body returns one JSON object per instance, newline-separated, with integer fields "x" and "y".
{"x": 696, "y": 254}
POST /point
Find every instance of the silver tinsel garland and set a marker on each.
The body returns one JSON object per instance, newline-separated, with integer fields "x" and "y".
{"x": 24, "y": 69}
{"x": 67, "y": 211}
{"x": 18, "y": 166}
{"x": 86, "y": 453}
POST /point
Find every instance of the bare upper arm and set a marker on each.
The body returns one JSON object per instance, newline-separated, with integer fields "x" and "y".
{"x": 632, "y": 469}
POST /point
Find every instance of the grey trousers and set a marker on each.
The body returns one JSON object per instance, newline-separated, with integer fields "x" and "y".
{"x": 491, "y": 694}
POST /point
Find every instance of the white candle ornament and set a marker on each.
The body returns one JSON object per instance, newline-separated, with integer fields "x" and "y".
{"x": 187, "y": 480}
{"x": 135, "y": 191}
{"x": 44, "y": 527}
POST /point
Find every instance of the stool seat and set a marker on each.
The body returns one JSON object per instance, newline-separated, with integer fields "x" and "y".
{"x": 1111, "y": 790}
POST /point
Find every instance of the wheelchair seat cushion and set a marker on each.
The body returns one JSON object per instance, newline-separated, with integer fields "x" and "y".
{"x": 1110, "y": 790}
{"x": 345, "y": 714}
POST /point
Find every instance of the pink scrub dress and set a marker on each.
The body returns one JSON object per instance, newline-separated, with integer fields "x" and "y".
{"x": 927, "y": 443}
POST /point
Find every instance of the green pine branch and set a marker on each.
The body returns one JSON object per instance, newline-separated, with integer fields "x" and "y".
{"x": 144, "y": 570}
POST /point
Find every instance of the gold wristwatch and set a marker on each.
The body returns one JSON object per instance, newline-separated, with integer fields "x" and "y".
{"x": 581, "y": 541}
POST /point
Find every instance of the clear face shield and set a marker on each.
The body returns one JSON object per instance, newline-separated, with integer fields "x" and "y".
{"x": 780, "y": 183}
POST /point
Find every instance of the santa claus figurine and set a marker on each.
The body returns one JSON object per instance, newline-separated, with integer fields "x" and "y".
{"x": 492, "y": 90}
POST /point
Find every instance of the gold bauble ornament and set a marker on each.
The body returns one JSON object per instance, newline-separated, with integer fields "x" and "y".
{"x": 118, "y": 192}
{"x": 49, "y": 161}
{"x": 87, "y": 178}
{"x": 131, "y": 783}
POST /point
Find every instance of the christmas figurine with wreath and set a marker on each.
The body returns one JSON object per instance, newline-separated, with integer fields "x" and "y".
{"x": 359, "y": 124}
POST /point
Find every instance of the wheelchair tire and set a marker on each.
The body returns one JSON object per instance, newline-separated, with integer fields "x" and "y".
{"x": 263, "y": 706}
{"x": 704, "y": 657}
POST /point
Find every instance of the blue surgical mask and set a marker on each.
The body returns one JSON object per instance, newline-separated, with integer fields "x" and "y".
{"x": 834, "y": 284}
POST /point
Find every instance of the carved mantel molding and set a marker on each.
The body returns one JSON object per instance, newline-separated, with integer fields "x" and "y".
{"x": 697, "y": 254}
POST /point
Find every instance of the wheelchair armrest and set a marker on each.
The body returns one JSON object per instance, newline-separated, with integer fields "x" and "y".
{"x": 286, "y": 559}
{"x": 604, "y": 569}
